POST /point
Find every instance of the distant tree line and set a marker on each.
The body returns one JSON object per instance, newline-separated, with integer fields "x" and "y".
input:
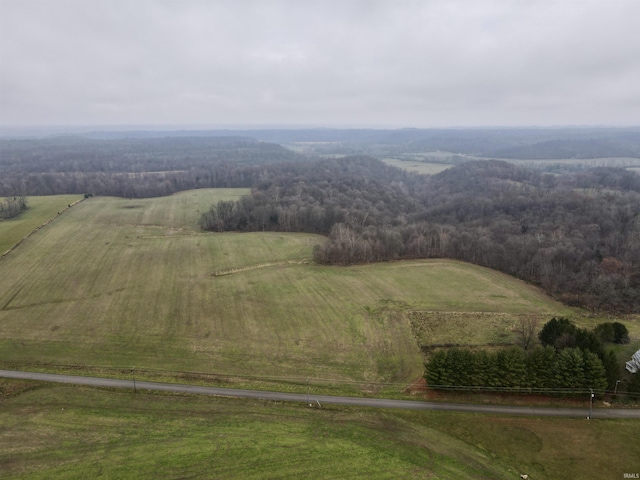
{"x": 570, "y": 360}
{"x": 513, "y": 143}
{"x": 138, "y": 168}
{"x": 575, "y": 235}
{"x": 509, "y": 143}
{"x": 11, "y": 207}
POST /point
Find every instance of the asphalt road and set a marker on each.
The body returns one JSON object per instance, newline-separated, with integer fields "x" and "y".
{"x": 325, "y": 399}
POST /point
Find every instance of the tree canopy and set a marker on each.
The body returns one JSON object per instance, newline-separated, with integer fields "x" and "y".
{"x": 579, "y": 243}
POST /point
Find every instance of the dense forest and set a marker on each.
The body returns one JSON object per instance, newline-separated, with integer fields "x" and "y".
{"x": 133, "y": 167}
{"x": 577, "y": 236}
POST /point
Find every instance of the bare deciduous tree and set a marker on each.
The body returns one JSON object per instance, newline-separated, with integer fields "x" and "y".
{"x": 526, "y": 330}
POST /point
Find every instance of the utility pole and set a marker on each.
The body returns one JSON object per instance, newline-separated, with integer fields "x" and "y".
{"x": 308, "y": 401}
{"x": 133, "y": 375}
{"x": 591, "y": 395}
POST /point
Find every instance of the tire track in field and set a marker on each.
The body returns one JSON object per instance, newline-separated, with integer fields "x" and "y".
{"x": 7, "y": 306}
{"x": 231, "y": 271}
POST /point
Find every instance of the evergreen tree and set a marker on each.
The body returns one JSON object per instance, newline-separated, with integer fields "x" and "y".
{"x": 457, "y": 364}
{"x": 570, "y": 367}
{"x": 540, "y": 365}
{"x": 620, "y": 333}
{"x": 512, "y": 367}
{"x": 604, "y": 331}
{"x": 484, "y": 372}
{"x": 612, "y": 369}
{"x": 436, "y": 372}
{"x": 595, "y": 376}
{"x": 554, "y": 330}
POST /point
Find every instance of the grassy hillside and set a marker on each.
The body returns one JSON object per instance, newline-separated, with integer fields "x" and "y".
{"x": 67, "y": 432}
{"x": 123, "y": 283}
{"x": 40, "y": 210}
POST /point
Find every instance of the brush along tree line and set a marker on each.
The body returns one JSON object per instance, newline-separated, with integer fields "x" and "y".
{"x": 571, "y": 360}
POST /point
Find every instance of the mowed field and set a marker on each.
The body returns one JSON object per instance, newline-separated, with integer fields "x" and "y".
{"x": 417, "y": 166}
{"x": 76, "y": 432}
{"x": 40, "y": 210}
{"x": 133, "y": 283}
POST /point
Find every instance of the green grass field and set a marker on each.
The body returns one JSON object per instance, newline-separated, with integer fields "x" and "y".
{"x": 40, "y": 210}
{"x": 123, "y": 283}
{"x": 417, "y": 166}
{"x": 67, "y": 432}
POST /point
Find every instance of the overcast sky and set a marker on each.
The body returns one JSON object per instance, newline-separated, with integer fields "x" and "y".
{"x": 320, "y": 63}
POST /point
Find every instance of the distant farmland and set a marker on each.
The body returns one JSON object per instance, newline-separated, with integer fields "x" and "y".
{"x": 417, "y": 166}
{"x": 122, "y": 283}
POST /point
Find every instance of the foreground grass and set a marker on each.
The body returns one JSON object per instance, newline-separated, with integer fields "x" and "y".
{"x": 71, "y": 432}
{"x": 121, "y": 283}
{"x": 40, "y": 210}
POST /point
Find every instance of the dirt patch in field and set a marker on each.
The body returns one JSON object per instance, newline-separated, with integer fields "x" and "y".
{"x": 488, "y": 398}
{"x": 417, "y": 387}
{"x": 13, "y": 388}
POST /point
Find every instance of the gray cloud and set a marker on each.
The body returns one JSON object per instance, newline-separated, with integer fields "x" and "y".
{"x": 385, "y": 63}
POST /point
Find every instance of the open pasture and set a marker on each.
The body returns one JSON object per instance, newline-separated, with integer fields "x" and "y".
{"x": 417, "y": 166}
{"x": 74, "y": 432}
{"x": 124, "y": 283}
{"x": 40, "y": 210}
{"x": 180, "y": 211}
{"x": 467, "y": 329}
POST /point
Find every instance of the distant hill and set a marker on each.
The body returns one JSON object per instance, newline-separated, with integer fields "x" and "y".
{"x": 514, "y": 143}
